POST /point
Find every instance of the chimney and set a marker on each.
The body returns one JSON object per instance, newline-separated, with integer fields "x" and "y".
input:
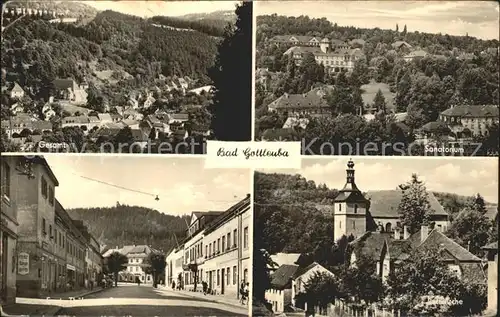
{"x": 424, "y": 232}
{"x": 406, "y": 234}
{"x": 397, "y": 234}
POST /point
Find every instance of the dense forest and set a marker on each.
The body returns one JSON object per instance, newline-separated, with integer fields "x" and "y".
{"x": 422, "y": 88}
{"x": 35, "y": 51}
{"x": 132, "y": 225}
{"x": 207, "y": 26}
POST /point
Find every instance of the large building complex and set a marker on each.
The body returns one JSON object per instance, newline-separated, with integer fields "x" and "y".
{"x": 216, "y": 251}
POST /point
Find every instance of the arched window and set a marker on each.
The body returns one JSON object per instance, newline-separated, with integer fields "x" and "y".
{"x": 388, "y": 227}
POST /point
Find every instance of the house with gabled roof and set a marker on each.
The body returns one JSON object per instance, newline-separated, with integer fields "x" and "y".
{"x": 475, "y": 118}
{"x": 301, "y": 278}
{"x": 16, "y": 92}
{"x": 389, "y": 250}
{"x": 279, "y": 295}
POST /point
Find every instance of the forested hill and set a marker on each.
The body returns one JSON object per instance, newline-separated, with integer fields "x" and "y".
{"x": 271, "y": 25}
{"x": 210, "y": 27}
{"x": 66, "y": 8}
{"x": 125, "y": 225}
{"x": 35, "y": 52}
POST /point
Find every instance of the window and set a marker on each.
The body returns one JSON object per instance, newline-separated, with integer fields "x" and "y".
{"x": 245, "y": 275}
{"x": 228, "y": 276}
{"x": 218, "y": 277}
{"x": 5, "y": 179}
{"x": 354, "y": 224}
{"x": 223, "y": 243}
{"x": 235, "y": 237}
{"x": 229, "y": 240}
{"x": 218, "y": 245}
{"x": 51, "y": 196}
{"x": 213, "y": 249}
{"x": 245, "y": 237}
{"x": 44, "y": 187}
{"x": 234, "y": 275}
{"x": 50, "y": 232}
{"x": 340, "y": 224}
{"x": 355, "y": 208}
{"x": 340, "y": 207}
{"x": 206, "y": 250}
{"x": 44, "y": 228}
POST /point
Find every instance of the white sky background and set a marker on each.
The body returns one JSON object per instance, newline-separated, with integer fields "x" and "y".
{"x": 479, "y": 18}
{"x": 462, "y": 176}
{"x": 164, "y": 8}
{"x": 182, "y": 184}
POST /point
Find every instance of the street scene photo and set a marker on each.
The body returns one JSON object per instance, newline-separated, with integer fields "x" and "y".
{"x": 378, "y": 237}
{"x": 123, "y": 236}
{"x": 125, "y": 76}
{"x": 378, "y": 77}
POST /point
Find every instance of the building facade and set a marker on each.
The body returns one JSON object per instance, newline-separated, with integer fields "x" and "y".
{"x": 356, "y": 213}
{"x": 8, "y": 230}
{"x": 216, "y": 251}
{"x": 476, "y": 119}
{"x": 492, "y": 256}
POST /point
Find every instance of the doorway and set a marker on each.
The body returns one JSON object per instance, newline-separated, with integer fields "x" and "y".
{"x": 222, "y": 282}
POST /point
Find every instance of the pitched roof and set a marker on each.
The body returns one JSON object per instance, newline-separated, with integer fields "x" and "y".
{"x": 65, "y": 84}
{"x": 303, "y": 270}
{"x": 436, "y": 238}
{"x": 385, "y": 203}
{"x": 400, "y": 43}
{"x": 491, "y": 246}
{"x": 473, "y": 111}
{"x": 179, "y": 116}
{"x": 105, "y": 116}
{"x": 435, "y": 127}
{"x": 312, "y": 99}
{"x": 17, "y": 88}
{"x": 285, "y": 258}
{"x": 282, "y": 277}
{"x": 370, "y": 244}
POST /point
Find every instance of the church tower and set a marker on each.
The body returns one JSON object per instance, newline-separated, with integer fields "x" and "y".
{"x": 350, "y": 207}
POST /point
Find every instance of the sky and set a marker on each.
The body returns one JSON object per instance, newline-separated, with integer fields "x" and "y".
{"x": 182, "y": 184}
{"x": 478, "y": 18}
{"x": 462, "y": 176}
{"x": 165, "y": 8}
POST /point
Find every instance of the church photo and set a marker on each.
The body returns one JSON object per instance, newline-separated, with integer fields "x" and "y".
{"x": 352, "y": 236}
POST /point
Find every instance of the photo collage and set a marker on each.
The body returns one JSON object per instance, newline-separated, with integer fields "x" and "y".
{"x": 319, "y": 158}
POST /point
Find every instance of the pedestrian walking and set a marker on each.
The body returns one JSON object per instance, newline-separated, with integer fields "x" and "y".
{"x": 242, "y": 293}
{"x": 173, "y": 285}
{"x": 205, "y": 287}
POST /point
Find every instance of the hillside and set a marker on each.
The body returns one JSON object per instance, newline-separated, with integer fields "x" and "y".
{"x": 36, "y": 52}
{"x": 123, "y": 224}
{"x": 223, "y": 15}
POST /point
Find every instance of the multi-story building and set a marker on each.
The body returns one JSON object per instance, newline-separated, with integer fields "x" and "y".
{"x": 295, "y": 105}
{"x": 476, "y": 119}
{"x": 93, "y": 257}
{"x": 174, "y": 267}
{"x": 50, "y": 249}
{"x": 336, "y": 57}
{"x": 137, "y": 264}
{"x": 216, "y": 251}
{"x": 8, "y": 230}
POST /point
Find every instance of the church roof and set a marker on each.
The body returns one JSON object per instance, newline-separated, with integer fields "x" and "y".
{"x": 385, "y": 203}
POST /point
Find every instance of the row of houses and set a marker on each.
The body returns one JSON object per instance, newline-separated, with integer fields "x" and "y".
{"x": 372, "y": 219}
{"x": 44, "y": 250}
{"x": 216, "y": 250}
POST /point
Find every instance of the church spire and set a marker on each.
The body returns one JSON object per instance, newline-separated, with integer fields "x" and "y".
{"x": 350, "y": 184}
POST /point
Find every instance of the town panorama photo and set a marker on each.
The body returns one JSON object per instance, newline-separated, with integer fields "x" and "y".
{"x": 125, "y": 76}
{"x": 378, "y": 77}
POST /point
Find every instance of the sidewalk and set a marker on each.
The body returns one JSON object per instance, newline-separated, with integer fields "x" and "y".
{"x": 221, "y": 299}
{"x": 32, "y": 307}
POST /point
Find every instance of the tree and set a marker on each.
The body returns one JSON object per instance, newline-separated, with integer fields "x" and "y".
{"x": 193, "y": 267}
{"x": 379, "y": 102}
{"x": 414, "y": 208}
{"x": 424, "y": 274}
{"x": 360, "y": 282}
{"x": 470, "y": 228}
{"x": 320, "y": 290}
{"x": 6, "y": 145}
{"x": 116, "y": 263}
{"x": 157, "y": 264}
{"x": 261, "y": 278}
{"x": 231, "y": 109}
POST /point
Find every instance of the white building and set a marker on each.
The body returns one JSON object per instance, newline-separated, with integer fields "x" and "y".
{"x": 136, "y": 266}
{"x": 216, "y": 251}
{"x": 302, "y": 276}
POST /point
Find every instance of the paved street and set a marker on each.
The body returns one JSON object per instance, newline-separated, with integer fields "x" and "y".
{"x": 144, "y": 300}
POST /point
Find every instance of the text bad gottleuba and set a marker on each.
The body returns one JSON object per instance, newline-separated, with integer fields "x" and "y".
{"x": 249, "y": 152}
